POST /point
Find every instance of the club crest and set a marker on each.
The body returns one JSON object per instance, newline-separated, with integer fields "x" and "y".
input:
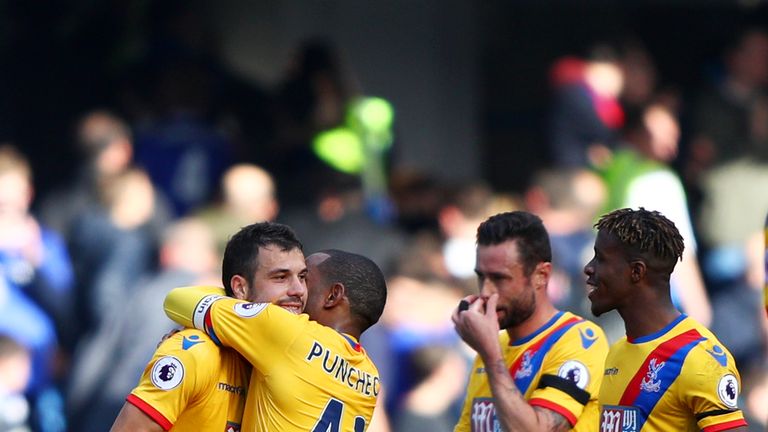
{"x": 650, "y": 382}
{"x": 526, "y": 368}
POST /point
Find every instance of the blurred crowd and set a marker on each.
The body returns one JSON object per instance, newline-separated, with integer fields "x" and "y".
{"x": 169, "y": 174}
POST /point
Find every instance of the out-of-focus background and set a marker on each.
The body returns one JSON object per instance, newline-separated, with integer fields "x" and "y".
{"x": 138, "y": 135}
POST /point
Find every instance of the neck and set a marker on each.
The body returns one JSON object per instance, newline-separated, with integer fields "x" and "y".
{"x": 543, "y": 313}
{"x": 648, "y": 319}
{"x": 344, "y": 325}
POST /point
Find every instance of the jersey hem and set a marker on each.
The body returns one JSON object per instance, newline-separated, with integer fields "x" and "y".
{"x": 548, "y": 404}
{"x": 150, "y": 411}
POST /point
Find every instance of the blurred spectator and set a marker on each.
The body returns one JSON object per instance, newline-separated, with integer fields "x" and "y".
{"x": 586, "y": 114}
{"x": 635, "y": 175}
{"x": 35, "y": 285}
{"x": 427, "y": 406}
{"x": 36, "y": 268}
{"x": 339, "y": 219}
{"x": 731, "y": 117}
{"x": 248, "y": 196}
{"x": 106, "y": 144}
{"x": 104, "y": 141}
{"x": 113, "y": 245}
{"x": 417, "y": 314}
{"x": 465, "y": 208}
{"x": 727, "y": 168}
{"x": 15, "y": 370}
{"x": 108, "y": 366}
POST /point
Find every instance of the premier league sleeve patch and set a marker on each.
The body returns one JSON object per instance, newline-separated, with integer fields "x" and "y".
{"x": 167, "y": 373}
{"x": 575, "y": 372}
{"x": 250, "y": 310}
{"x": 728, "y": 390}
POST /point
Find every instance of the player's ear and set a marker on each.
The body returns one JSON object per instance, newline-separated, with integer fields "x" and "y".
{"x": 637, "y": 270}
{"x": 541, "y": 274}
{"x": 335, "y": 295}
{"x": 239, "y": 287}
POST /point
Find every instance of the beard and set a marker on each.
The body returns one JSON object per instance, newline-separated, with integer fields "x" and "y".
{"x": 519, "y": 310}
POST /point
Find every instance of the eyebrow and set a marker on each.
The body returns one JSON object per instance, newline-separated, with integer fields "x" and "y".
{"x": 285, "y": 270}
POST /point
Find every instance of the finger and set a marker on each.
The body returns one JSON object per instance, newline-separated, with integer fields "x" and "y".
{"x": 490, "y": 306}
{"x": 478, "y": 305}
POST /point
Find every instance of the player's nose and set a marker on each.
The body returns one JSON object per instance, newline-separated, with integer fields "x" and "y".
{"x": 298, "y": 287}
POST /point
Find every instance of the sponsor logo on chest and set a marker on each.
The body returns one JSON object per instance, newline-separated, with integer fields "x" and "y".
{"x": 618, "y": 419}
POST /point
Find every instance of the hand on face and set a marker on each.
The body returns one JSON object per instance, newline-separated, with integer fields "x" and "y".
{"x": 478, "y": 326}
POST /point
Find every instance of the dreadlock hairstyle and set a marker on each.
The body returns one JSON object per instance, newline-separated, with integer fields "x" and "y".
{"x": 647, "y": 232}
{"x": 523, "y": 227}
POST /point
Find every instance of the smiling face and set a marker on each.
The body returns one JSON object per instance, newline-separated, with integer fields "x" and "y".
{"x": 608, "y": 275}
{"x": 280, "y": 278}
{"x": 500, "y": 271}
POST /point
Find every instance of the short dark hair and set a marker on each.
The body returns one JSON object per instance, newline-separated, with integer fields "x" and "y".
{"x": 366, "y": 287}
{"x": 523, "y": 227}
{"x": 648, "y": 233}
{"x": 242, "y": 251}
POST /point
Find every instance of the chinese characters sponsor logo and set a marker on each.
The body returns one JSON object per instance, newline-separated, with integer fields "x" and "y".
{"x": 618, "y": 419}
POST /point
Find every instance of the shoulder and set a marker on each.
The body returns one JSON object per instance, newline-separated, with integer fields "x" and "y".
{"x": 584, "y": 336}
{"x": 192, "y": 347}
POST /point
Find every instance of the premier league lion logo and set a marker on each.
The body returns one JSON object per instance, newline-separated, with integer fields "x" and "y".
{"x": 575, "y": 372}
{"x": 167, "y": 373}
{"x": 728, "y": 390}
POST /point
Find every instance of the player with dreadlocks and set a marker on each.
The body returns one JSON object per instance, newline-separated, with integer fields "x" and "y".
{"x": 669, "y": 372}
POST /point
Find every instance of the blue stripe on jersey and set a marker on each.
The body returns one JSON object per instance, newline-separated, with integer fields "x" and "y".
{"x": 538, "y": 358}
{"x": 646, "y": 401}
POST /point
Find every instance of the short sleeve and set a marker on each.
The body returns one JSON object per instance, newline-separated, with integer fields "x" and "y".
{"x": 180, "y": 370}
{"x": 572, "y": 372}
{"x": 710, "y": 388}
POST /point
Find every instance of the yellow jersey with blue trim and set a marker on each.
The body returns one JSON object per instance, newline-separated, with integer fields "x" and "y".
{"x": 558, "y": 367}
{"x": 191, "y": 384}
{"x": 680, "y": 378}
{"x": 306, "y": 376}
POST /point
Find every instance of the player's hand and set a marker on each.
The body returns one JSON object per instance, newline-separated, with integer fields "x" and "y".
{"x": 478, "y": 326}
{"x": 168, "y": 335}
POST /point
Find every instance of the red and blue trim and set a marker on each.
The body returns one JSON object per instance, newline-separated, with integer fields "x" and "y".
{"x": 673, "y": 353}
{"x": 540, "y": 349}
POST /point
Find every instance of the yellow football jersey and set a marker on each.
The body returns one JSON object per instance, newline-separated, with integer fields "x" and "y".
{"x": 680, "y": 378}
{"x": 559, "y": 367}
{"x": 193, "y": 385}
{"x": 306, "y": 376}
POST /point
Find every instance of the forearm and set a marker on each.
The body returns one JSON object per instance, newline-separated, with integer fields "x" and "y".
{"x": 180, "y": 304}
{"x": 512, "y": 410}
